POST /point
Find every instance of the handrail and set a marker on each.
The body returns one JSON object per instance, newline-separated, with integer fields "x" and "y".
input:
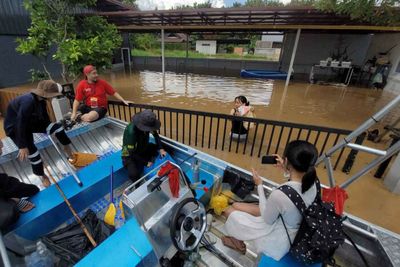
{"x": 230, "y": 117}
{"x": 213, "y": 131}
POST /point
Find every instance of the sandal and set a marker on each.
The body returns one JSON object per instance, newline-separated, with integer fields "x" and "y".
{"x": 24, "y": 205}
{"x": 234, "y": 244}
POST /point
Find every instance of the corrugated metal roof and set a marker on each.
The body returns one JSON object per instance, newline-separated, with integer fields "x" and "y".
{"x": 14, "y": 19}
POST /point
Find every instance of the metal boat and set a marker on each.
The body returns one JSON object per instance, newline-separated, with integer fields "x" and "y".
{"x": 263, "y": 74}
{"x": 156, "y": 231}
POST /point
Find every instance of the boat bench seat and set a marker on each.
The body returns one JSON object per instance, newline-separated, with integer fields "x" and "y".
{"x": 51, "y": 210}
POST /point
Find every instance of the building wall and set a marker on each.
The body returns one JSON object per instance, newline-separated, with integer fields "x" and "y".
{"x": 228, "y": 67}
{"x": 15, "y": 67}
{"x": 382, "y": 43}
{"x": 208, "y": 47}
{"x": 313, "y": 47}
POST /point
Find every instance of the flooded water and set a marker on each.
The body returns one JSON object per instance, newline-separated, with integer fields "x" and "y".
{"x": 338, "y": 107}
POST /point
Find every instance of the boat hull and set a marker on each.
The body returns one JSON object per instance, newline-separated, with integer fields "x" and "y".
{"x": 263, "y": 74}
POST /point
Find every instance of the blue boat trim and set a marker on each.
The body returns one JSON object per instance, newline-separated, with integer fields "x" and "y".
{"x": 263, "y": 74}
{"x": 51, "y": 209}
{"x": 117, "y": 250}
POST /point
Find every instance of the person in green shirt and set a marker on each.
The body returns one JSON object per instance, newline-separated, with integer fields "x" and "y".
{"x": 137, "y": 151}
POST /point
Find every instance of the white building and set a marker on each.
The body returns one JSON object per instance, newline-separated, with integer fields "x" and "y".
{"x": 208, "y": 47}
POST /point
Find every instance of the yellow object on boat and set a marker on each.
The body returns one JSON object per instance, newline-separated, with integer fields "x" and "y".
{"x": 109, "y": 217}
{"x": 219, "y": 204}
{"x": 81, "y": 159}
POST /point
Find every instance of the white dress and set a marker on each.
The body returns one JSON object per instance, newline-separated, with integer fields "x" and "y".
{"x": 267, "y": 232}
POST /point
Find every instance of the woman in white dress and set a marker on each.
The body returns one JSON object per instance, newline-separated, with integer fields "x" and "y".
{"x": 261, "y": 224}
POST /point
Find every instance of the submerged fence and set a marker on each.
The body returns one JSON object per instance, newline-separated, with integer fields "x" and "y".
{"x": 212, "y": 131}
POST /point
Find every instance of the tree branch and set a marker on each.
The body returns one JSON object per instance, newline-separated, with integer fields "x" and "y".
{"x": 47, "y": 72}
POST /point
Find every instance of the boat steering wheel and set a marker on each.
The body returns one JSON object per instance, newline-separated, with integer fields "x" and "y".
{"x": 188, "y": 224}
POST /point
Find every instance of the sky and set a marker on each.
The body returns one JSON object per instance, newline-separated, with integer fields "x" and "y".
{"x": 168, "y": 4}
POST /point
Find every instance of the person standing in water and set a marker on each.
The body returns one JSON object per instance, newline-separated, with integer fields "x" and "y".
{"x": 241, "y": 108}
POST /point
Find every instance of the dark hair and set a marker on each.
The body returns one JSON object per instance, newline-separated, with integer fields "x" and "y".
{"x": 243, "y": 99}
{"x": 302, "y": 155}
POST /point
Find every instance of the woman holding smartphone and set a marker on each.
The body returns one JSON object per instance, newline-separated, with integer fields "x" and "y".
{"x": 260, "y": 223}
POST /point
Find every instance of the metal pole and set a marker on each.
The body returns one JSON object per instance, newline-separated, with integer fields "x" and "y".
{"x": 293, "y": 56}
{"x": 329, "y": 169}
{"x": 163, "y": 57}
{"x": 3, "y": 252}
{"x": 391, "y": 151}
{"x": 187, "y": 47}
{"x": 367, "y": 149}
{"x": 368, "y": 123}
{"x": 65, "y": 161}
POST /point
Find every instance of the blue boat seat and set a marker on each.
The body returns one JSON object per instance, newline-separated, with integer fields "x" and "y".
{"x": 286, "y": 261}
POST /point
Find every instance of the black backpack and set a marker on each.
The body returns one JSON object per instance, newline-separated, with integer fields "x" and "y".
{"x": 320, "y": 232}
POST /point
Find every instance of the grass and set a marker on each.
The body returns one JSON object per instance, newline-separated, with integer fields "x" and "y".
{"x": 192, "y": 54}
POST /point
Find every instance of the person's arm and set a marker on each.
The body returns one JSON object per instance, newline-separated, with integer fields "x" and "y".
{"x": 159, "y": 144}
{"x": 111, "y": 91}
{"x": 23, "y": 121}
{"x": 269, "y": 208}
{"x": 120, "y": 98}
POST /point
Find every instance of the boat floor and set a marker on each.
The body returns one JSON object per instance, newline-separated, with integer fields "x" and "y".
{"x": 215, "y": 232}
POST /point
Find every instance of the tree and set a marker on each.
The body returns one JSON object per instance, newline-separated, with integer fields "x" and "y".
{"x": 195, "y": 5}
{"x": 130, "y": 3}
{"x": 145, "y": 41}
{"x": 236, "y": 4}
{"x": 263, "y": 3}
{"x": 300, "y": 3}
{"x": 74, "y": 41}
{"x": 378, "y": 12}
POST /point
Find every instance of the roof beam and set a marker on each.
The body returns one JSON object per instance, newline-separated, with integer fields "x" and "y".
{"x": 263, "y": 27}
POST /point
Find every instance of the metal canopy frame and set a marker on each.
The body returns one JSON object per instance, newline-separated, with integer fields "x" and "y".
{"x": 230, "y": 19}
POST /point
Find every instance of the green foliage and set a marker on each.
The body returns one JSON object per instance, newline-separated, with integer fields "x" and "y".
{"x": 263, "y": 3}
{"x": 76, "y": 41}
{"x": 378, "y": 12}
{"x": 237, "y": 4}
{"x": 195, "y": 5}
{"x": 194, "y": 54}
{"x": 37, "y": 75}
{"x": 145, "y": 41}
{"x": 300, "y": 3}
{"x": 131, "y": 3}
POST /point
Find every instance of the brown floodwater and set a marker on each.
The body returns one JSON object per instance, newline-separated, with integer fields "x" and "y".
{"x": 338, "y": 107}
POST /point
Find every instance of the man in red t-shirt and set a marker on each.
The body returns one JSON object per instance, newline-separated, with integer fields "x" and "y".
{"x": 93, "y": 92}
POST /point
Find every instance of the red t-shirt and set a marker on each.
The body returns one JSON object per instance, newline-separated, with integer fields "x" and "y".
{"x": 94, "y": 94}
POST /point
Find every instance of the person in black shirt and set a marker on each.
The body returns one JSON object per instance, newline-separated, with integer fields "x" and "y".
{"x": 27, "y": 114}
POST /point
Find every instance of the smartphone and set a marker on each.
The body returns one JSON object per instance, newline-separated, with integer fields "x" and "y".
{"x": 268, "y": 160}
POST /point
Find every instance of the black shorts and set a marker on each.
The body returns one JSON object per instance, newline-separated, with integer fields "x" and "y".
{"x": 86, "y": 109}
